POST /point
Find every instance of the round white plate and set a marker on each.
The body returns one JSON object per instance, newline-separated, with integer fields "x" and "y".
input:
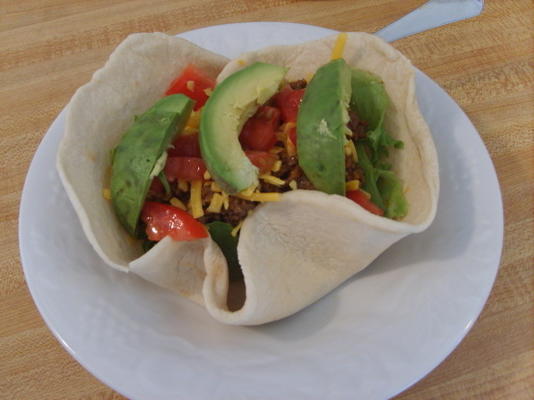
{"x": 377, "y": 334}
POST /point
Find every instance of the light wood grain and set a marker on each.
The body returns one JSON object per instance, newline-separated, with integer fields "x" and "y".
{"x": 51, "y": 47}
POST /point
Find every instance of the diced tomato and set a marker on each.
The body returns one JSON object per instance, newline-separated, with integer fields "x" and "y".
{"x": 259, "y": 132}
{"x": 288, "y": 101}
{"x": 163, "y": 219}
{"x": 360, "y": 198}
{"x": 261, "y": 159}
{"x": 185, "y": 146}
{"x": 193, "y": 168}
{"x": 193, "y": 83}
{"x": 187, "y": 168}
{"x": 156, "y": 188}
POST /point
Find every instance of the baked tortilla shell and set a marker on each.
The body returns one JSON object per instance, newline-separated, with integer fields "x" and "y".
{"x": 291, "y": 252}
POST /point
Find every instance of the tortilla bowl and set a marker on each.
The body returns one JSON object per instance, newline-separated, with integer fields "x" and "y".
{"x": 291, "y": 252}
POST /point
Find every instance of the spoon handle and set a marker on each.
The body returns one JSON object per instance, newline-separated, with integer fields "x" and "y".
{"x": 430, "y": 15}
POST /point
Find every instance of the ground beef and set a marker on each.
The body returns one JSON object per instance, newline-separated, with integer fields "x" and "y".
{"x": 300, "y": 84}
{"x": 356, "y": 125}
{"x": 352, "y": 169}
{"x": 288, "y": 164}
{"x": 237, "y": 211}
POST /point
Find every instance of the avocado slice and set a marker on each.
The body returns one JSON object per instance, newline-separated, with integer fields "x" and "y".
{"x": 322, "y": 125}
{"x": 141, "y": 155}
{"x": 230, "y": 105}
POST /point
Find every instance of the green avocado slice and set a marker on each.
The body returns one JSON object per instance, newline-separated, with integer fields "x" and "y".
{"x": 322, "y": 125}
{"x": 141, "y": 153}
{"x": 230, "y": 105}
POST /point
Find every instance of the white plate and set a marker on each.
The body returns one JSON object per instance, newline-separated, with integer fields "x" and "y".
{"x": 371, "y": 338}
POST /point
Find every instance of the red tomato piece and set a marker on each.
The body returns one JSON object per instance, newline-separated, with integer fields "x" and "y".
{"x": 288, "y": 101}
{"x": 163, "y": 219}
{"x": 156, "y": 188}
{"x": 193, "y": 83}
{"x": 259, "y": 132}
{"x": 261, "y": 159}
{"x": 360, "y": 198}
{"x": 185, "y": 146}
{"x": 187, "y": 168}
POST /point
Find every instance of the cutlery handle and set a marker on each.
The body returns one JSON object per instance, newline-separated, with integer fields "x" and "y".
{"x": 430, "y": 15}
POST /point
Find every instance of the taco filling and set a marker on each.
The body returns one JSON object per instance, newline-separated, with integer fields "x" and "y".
{"x": 203, "y": 157}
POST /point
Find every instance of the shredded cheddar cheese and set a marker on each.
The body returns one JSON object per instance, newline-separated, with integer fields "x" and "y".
{"x": 207, "y": 175}
{"x": 106, "y": 193}
{"x": 352, "y": 185}
{"x": 208, "y": 91}
{"x": 215, "y": 187}
{"x": 353, "y": 150}
{"x": 226, "y": 200}
{"x": 339, "y": 46}
{"x": 276, "y": 166}
{"x": 288, "y": 126}
{"x": 348, "y": 148}
{"x": 261, "y": 197}
{"x": 178, "y": 203}
{"x": 241, "y": 62}
{"x": 248, "y": 191}
{"x": 365, "y": 193}
{"x": 290, "y": 147}
{"x": 183, "y": 185}
{"x": 215, "y": 203}
{"x": 293, "y": 185}
{"x": 236, "y": 229}
{"x": 192, "y": 123}
{"x": 309, "y": 77}
{"x": 276, "y": 150}
{"x": 190, "y": 85}
{"x": 196, "y": 199}
{"x": 273, "y": 180}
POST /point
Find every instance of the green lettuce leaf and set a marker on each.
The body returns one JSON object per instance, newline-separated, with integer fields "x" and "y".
{"x": 220, "y": 232}
{"x": 370, "y": 101}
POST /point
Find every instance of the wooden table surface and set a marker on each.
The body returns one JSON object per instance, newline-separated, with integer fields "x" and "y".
{"x": 51, "y": 47}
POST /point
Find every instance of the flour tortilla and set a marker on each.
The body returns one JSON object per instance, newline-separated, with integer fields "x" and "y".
{"x": 291, "y": 252}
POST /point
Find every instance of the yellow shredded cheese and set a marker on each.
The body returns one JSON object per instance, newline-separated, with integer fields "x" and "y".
{"x": 178, "y": 203}
{"x": 288, "y": 126}
{"x": 273, "y": 180}
{"x": 236, "y": 229}
{"x": 193, "y": 122}
{"x": 309, "y": 77}
{"x": 276, "y": 150}
{"x": 339, "y": 46}
{"x": 215, "y": 203}
{"x": 348, "y": 148}
{"x": 106, "y": 193}
{"x": 365, "y": 193}
{"x": 207, "y": 175}
{"x": 261, "y": 197}
{"x": 208, "y": 91}
{"x": 293, "y": 185}
{"x": 183, "y": 185}
{"x": 248, "y": 191}
{"x": 276, "y": 166}
{"x": 241, "y": 62}
{"x": 215, "y": 187}
{"x": 353, "y": 150}
{"x": 226, "y": 200}
{"x": 352, "y": 185}
{"x": 196, "y": 199}
{"x": 190, "y": 85}
{"x": 290, "y": 147}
